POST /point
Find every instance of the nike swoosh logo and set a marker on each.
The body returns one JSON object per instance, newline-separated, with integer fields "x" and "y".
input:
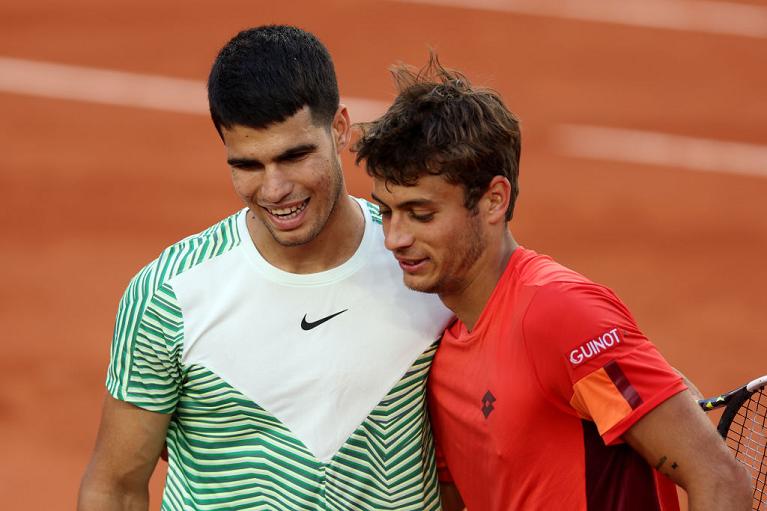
{"x": 308, "y": 325}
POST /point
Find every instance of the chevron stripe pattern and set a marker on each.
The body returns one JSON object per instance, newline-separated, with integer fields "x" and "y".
{"x": 225, "y": 451}
{"x": 149, "y": 323}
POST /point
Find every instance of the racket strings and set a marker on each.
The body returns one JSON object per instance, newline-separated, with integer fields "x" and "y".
{"x": 747, "y": 437}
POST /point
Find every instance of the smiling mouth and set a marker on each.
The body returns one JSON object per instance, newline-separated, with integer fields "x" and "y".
{"x": 288, "y": 213}
{"x": 409, "y": 264}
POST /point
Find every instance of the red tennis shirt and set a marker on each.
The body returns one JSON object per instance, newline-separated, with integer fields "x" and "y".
{"x": 528, "y": 408}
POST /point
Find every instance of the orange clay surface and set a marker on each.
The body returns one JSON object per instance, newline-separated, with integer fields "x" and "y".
{"x": 90, "y": 193}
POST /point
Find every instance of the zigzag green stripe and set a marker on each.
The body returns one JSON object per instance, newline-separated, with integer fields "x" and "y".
{"x": 225, "y": 451}
{"x": 148, "y": 319}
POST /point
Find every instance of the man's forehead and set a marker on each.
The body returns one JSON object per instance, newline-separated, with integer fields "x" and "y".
{"x": 269, "y": 142}
{"x": 428, "y": 188}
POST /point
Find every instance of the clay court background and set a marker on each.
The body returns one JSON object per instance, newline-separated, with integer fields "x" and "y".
{"x": 91, "y": 192}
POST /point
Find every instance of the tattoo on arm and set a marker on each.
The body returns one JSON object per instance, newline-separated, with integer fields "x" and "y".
{"x": 662, "y": 461}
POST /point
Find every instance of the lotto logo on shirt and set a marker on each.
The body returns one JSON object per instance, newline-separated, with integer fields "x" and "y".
{"x": 594, "y": 347}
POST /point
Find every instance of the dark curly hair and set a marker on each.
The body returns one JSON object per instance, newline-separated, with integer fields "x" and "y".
{"x": 439, "y": 124}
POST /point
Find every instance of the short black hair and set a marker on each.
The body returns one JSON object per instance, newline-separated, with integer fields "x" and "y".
{"x": 266, "y": 74}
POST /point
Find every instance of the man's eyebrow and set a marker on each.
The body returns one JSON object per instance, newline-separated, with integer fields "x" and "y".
{"x": 413, "y": 203}
{"x": 378, "y": 199}
{"x": 284, "y": 155}
{"x": 242, "y": 162}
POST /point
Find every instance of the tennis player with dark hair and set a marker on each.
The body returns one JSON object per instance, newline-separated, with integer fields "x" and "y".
{"x": 544, "y": 394}
{"x": 277, "y": 353}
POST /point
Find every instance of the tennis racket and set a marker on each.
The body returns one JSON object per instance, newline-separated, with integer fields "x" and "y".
{"x": 743, "y": 426}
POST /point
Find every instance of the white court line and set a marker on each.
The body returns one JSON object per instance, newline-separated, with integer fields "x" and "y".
{"x": 102, "y": 86}
{"x": 59, "y": 81}
{"x": 705, "y": 16}
{"x": 651, "y": 148}
{"x": 188, "y": 96}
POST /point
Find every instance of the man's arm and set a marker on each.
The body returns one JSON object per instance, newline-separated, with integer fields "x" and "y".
{"x": 694, "y": 392}
{"x": 128, "y": 445}
{"x": 678, "y": 440}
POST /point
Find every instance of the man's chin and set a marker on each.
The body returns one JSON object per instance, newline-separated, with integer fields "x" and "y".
{"x": 292, "y": 238}
{"x": 415, "y": 284}
{"x": 286, "y": 240}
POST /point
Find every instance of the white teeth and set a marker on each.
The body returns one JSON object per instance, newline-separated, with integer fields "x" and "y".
{"x": 288, "y": 212}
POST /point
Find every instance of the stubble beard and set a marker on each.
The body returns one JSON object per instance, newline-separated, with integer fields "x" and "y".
{"x": 453, "y": 280}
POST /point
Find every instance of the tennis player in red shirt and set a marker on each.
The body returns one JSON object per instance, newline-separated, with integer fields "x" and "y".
{"x": 544, "y": 393}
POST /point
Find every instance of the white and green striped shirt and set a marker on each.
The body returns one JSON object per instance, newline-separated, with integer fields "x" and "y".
{"x": 288, "y": 392}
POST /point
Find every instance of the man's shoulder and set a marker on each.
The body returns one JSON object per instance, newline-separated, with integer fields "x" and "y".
{"x": 189, "y": 252}
{"x": 540, "y": 270}
{"x": 551, "y": 281}
{"x": 217, "y": 238}
{"x": 559, "y": 296}
{"x": 570, "y": 299}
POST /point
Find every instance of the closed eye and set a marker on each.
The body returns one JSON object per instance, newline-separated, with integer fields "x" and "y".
{"x": 297, "y": 153}
{"x": 295, "y": 156}
{"x": 426, "y": 217}
{"x": 245, "y": 165}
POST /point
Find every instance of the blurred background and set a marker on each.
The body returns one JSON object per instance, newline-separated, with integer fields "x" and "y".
{"x": 644, "y": 166}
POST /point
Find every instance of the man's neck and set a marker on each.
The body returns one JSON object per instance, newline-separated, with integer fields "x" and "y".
{"x": 338, "y": 241}
{"x": 469, "y": 303}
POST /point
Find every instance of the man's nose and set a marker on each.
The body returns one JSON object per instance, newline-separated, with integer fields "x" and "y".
{"x": 396, "y": 235}
{"x": 275, "y": 186}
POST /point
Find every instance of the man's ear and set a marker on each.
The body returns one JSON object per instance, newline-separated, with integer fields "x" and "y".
{"x": 496, "y": 200}
{"x": 341, "y": 128}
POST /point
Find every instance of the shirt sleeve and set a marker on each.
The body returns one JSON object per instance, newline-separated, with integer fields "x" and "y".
{"x": 145, "y": 367}
{"x": 592, "y": 359}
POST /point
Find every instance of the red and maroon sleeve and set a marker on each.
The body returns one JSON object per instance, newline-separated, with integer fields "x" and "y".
{"x": 590, "y": 355}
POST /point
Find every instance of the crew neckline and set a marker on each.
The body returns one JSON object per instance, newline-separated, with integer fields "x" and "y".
{"x": 340, "y": 272}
